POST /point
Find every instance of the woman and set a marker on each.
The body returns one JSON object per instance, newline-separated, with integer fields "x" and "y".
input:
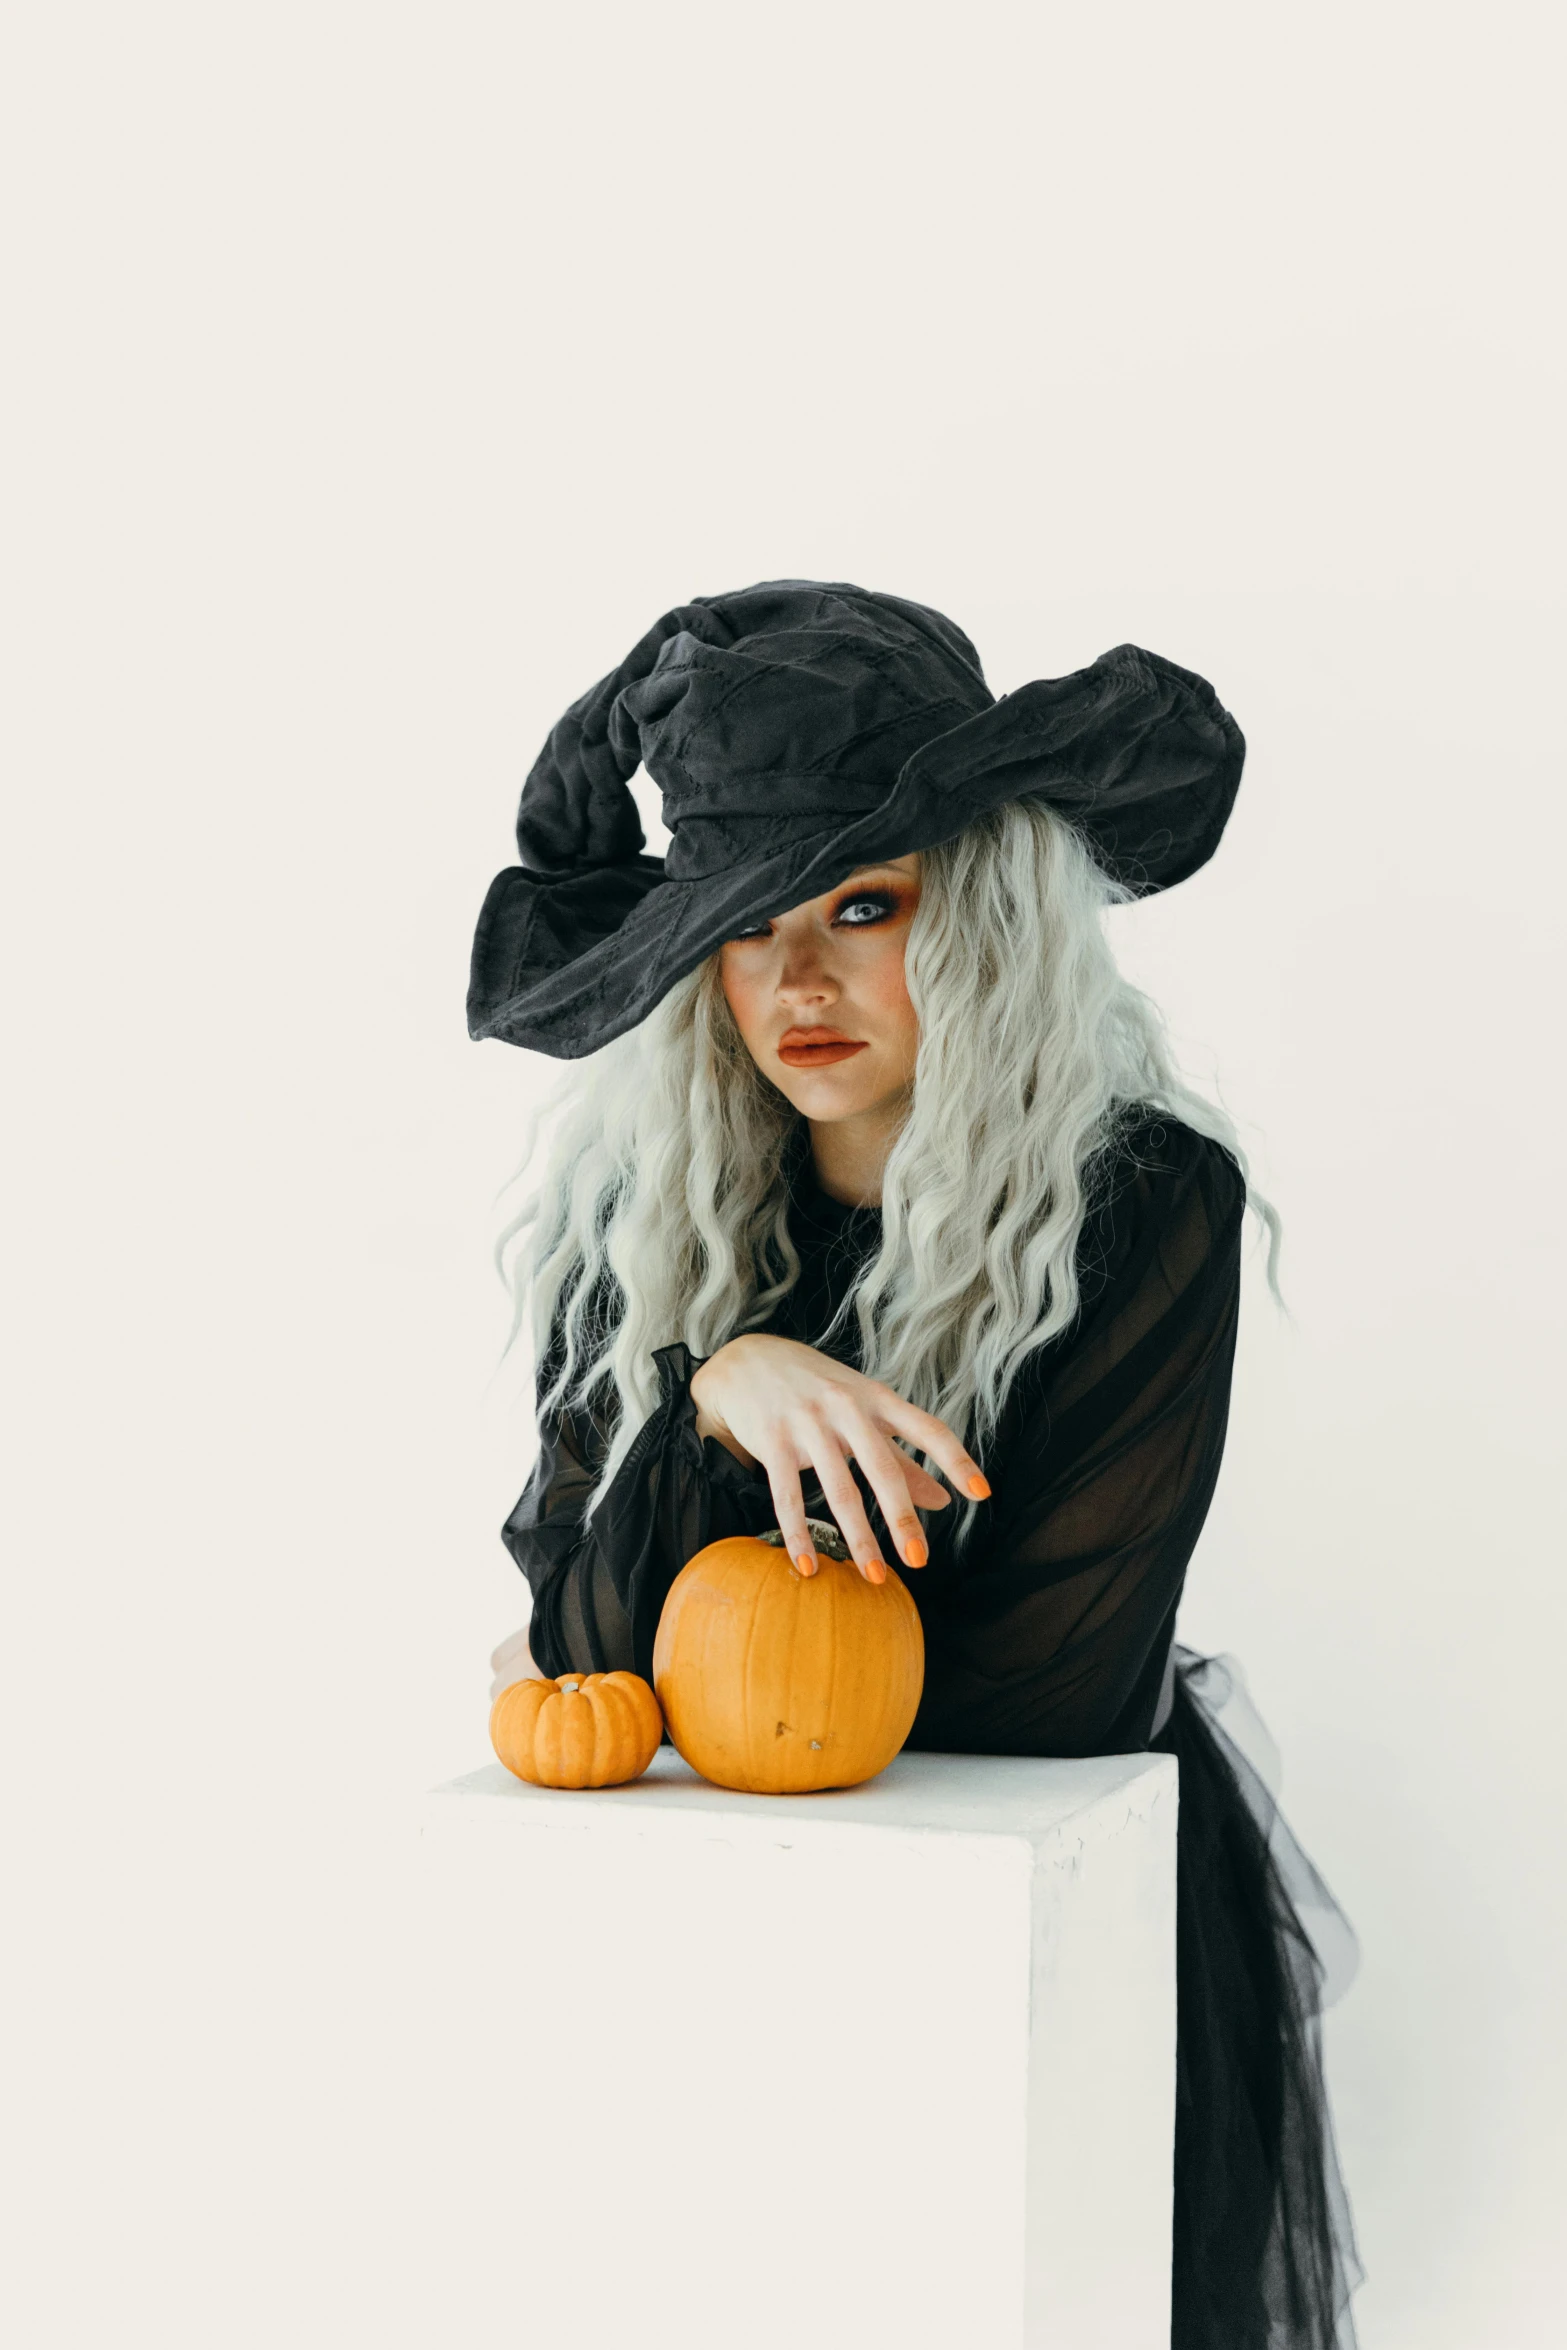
{"x": 883, "y": 1201}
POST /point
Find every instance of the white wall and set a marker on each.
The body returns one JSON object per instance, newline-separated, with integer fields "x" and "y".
{"x": 377, "y": 375}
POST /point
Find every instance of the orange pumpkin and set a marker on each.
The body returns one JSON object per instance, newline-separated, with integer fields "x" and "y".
{"x": 584, "y": 1730}
{"x": 778, "y": 1682}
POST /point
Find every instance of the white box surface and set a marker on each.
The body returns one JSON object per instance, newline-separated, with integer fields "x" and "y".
{"x": 891, "y": 2066}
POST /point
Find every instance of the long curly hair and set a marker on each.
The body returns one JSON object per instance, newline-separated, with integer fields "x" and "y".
{"x": 661, "y": 1210}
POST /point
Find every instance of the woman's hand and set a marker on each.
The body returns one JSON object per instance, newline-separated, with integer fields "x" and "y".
{"x": 512, "y": 1661}
{"x": 785, "y": 1408}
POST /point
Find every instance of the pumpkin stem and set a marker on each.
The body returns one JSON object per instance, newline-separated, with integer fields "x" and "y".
{"x": 824, "y": 1535}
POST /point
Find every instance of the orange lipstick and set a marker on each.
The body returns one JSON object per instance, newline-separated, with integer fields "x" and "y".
{"x": 816, "y": 1048}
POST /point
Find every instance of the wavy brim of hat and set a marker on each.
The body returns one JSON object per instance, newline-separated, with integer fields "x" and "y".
{"x": 1139, "y": 754}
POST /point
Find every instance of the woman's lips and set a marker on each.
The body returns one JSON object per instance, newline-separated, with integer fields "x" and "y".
{"x": 806, "y": 1048}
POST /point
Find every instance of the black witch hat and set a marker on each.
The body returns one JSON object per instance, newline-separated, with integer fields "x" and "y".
{"x": 798, "y": 731}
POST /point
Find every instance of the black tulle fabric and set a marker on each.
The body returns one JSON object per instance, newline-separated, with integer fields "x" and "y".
{"x": 1051, "y": 1632}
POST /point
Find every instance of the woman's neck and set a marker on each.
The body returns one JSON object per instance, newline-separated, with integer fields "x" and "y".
{"x": 849, "y": 1155}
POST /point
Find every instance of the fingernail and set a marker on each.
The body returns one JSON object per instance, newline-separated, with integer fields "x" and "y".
{"x": 806, "y": 1562}
{"x": 875, "y": 1572}
{"x": 979, "y": 1487}
{"x": 915, "y": 1553}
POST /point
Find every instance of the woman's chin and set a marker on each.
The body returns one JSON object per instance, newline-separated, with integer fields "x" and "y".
{"x": 839, "y": 1091}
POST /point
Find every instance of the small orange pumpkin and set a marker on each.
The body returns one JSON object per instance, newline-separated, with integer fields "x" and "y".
{"x": 780, "y": 1683}
{"x": 584, "y": 1730}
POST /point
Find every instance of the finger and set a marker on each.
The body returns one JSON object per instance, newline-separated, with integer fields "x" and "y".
{"x": 843, "y": 1499}
{"x": 925, "y": 1491}
{"x": 933, "y": 1436}
{"x": 515, "y": 1644}
{"x": 518, "y": 1667}
{"x": 886, "y": 1469}
{"x": 789, "y": 1511}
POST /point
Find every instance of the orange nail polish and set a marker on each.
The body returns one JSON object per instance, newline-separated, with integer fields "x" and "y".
{"x": 979, "y": 1487}
{"x": 915, "y": 1553}
{"x": 806, "y": 1562}
{"x": 875, "y": 1572}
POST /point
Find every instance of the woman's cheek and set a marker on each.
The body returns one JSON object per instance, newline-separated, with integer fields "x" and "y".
{"x": 887, "y": 985}
{"x": 744, "y": 993}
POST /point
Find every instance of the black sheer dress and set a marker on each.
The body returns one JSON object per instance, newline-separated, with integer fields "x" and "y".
{"x": 1054, "y": 1634}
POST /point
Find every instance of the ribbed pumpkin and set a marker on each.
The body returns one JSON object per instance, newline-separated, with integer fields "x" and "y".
{"x": 780, "y": 1683}
{"x": 584, "y": 1730}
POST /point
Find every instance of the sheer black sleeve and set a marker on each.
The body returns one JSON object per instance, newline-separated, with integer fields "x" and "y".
{"x": 1052, "y": 1635}
{"x": 599, "y": 1583}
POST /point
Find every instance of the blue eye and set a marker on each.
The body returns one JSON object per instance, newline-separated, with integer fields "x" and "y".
{"x": 859, "y": 913}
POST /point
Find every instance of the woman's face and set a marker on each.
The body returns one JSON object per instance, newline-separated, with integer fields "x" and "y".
{"x": 819, "y": 995}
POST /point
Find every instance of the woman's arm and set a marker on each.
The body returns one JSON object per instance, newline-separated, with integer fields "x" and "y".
{"x": 599, "y": 1583}
{"x": 751, "y": 1439}
{"x": 1050, "y": 1634}
{"x": 1054, "y": 1634}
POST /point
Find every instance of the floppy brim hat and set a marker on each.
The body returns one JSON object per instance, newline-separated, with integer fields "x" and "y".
{"x": 797, "y": 731}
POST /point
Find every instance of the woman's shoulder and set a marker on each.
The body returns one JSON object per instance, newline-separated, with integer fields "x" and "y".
{"x": 1150, "y": 1143}
{"x": 1160, "y": 1183}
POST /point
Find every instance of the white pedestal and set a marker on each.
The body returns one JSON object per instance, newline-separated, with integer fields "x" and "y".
{"x": 890, "y": 2068}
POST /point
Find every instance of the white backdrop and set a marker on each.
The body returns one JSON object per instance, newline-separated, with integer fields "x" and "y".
{"x": 377, "y": 374}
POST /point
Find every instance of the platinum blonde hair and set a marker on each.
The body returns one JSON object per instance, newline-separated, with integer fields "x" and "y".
{"x": 661, "y": 1189}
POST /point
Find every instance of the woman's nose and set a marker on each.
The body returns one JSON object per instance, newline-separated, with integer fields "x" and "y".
{"x": 805, "y": 979}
